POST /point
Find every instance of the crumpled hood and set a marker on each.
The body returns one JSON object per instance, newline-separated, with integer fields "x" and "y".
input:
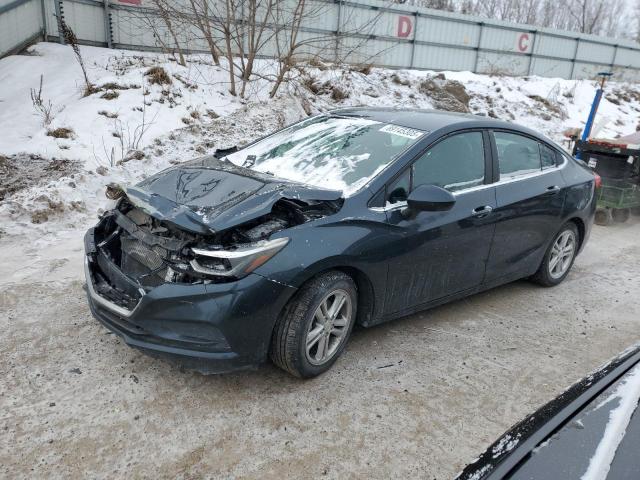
{"x": 207, "y": 195}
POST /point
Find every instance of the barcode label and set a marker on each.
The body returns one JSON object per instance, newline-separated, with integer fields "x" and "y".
{"x": 402, "y": 131}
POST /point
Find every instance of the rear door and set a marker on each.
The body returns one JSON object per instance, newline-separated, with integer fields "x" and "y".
{"x": 530, "y": 195}
{"x": 435, "y": 254}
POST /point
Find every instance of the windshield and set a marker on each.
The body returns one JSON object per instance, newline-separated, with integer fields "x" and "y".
{"x": 328, "y": 152}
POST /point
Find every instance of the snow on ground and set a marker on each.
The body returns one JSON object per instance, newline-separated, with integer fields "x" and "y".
{"x": 52, "y": 188}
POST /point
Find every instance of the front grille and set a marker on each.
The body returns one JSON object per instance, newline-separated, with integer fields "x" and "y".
{"x": 144, "y": 263}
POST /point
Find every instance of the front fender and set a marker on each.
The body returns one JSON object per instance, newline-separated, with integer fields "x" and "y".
{"x": 357, "y": 244}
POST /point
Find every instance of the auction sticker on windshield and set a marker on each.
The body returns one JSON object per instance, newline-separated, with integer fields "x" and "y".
{"x": 402, "y": 131}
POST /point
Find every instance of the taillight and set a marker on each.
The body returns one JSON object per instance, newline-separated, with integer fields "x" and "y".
{"x": 598, "y": 180}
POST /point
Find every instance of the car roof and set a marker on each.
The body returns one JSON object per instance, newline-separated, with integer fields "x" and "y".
{"x": 429, "y": 120}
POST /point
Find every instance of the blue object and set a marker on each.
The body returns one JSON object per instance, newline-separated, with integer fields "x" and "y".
{"x": 592, "y": 115}
{"x": 594, "y": 109}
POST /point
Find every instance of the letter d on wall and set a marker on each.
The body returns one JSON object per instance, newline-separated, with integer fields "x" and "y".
{"x": 404, "y": 26}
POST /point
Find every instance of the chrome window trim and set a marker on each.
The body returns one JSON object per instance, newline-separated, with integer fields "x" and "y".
{"x": 506, "y": 181}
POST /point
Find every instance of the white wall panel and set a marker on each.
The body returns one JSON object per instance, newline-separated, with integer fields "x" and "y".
{"x": 18, "y": 24}
{"x": 372, "y": 31}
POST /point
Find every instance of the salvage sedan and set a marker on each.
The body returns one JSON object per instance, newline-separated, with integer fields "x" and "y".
{"x": 358, "y": 216}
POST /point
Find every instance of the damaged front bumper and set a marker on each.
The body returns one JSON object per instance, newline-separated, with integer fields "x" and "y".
{"x": 209, "y": 327}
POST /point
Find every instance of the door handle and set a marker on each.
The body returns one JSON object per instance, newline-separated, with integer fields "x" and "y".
{"x": 482, "y": 211}
{"x": 552, "y": 190}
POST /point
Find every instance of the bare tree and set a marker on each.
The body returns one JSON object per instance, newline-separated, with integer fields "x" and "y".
{"x": 587, "y": 14}
{"x": 290, "y": 44}
{"x": 598, "y": 17}
{"x": 285, "y": 53}
{"x": 241, "y": 31}
{"x": 164, "y": 25}
{"x": 253, "y": 31}
{"x": 201, "y": 14}
{"x": 164, "y": 11}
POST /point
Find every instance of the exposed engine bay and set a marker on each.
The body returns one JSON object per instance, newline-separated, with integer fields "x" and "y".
{"x": 151, "y": 252}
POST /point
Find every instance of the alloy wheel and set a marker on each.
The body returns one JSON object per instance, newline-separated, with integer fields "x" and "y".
{"x": 329, "y": 326}
{"x": 562, "y": 254}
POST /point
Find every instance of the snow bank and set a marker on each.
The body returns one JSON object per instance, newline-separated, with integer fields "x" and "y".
{"x": 195, "y": 114}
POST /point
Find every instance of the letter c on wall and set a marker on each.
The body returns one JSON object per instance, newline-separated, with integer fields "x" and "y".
{"x": 404, "y": 26}
{"x": 523, "y": 42}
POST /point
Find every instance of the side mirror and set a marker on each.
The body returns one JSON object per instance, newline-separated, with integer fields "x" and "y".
{"x": 430, "y": 198}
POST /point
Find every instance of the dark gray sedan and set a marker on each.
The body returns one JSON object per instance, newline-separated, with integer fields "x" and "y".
{"x": 358, "y": 216}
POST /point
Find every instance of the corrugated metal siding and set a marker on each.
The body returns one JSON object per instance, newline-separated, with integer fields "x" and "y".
{"x": 502, "y": 64}
{"x": 593, "y": 52}
{"x": 555, "y": 46}
{"x": 444, "y": 58}
{"x": 51, "y": 24}
{"x": 447, "y": 32}
{"x": 628, "y": 58}
{"x": 86, "y": 21}
{"x": 551, "y": 68}
{"x": 18, "y": 24}
{"x": 372, "y": 31}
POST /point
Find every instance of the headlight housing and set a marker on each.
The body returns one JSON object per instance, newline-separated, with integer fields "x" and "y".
{"x": 238, "y": 262}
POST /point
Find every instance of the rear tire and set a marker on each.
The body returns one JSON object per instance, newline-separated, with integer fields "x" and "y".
{"x": 559, "y": 257}
{"x": 635, "y": 211}
{"x": 604, "y": 217}
{"x": 315, "y": 325}
{"x": 621, "y": 215}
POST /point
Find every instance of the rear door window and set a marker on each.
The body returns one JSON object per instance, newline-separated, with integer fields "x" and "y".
{"x": 517, "y": 155}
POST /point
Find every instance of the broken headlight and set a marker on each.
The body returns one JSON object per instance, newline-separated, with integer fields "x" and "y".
{"x": 238, "y": 262}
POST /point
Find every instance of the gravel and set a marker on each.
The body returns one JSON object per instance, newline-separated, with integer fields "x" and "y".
{"x": 421, "y": 396}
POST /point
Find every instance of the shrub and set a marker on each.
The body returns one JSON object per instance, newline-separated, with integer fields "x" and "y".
{"x": 158, "y": 75}
{"x": 61, "y": 132}
{"x": 110, "y": 95}
{"x": 104, "y": 113}
{"x": 338, "y": 94}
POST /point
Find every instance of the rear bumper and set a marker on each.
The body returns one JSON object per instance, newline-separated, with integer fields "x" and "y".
{"x": 211, "y": 328}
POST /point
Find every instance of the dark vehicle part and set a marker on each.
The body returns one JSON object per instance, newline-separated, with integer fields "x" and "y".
{"x": 198, "y": 262}
{"x": 315, "y": 326}
{"x": 208, "y": 195}
{"x": 430, "y": 198}
{"x": 554, "y": 441}
{"x": 559, "y": 257}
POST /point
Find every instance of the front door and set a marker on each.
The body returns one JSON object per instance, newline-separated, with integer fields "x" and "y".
{"x": 436, "y": 254}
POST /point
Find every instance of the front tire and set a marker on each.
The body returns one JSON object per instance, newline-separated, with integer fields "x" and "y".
{"x": 559, "y": 257}
{"x": 315, "y": 326}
